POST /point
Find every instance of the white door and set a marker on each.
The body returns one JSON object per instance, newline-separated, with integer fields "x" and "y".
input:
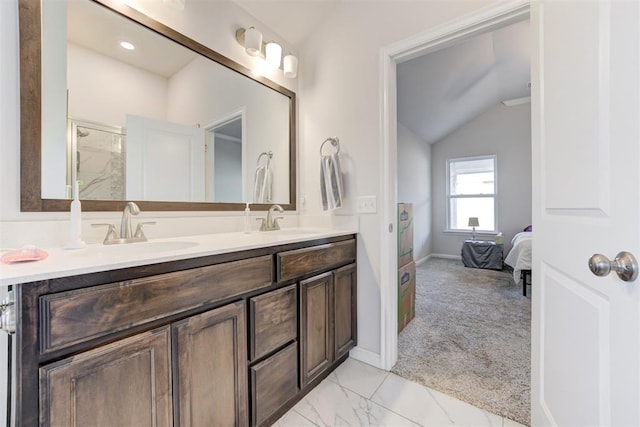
{"x": 165, "y": 161}
{"x": 585, "y": 112}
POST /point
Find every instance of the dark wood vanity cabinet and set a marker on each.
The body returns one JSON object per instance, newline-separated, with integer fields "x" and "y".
{"x": 345, "y": 301}
{"x": 129, "y": 382}
{"x": 210, "y": 376}
{"x": 327, "y": 320}
{"x": 274, "y": 382}
{"x": 274, "y": 320}
{"x": 274, "y": 375}
{"x": 316, "y": 353}
{"x": 126, "y": 383}
{"x": 223, "y": 340}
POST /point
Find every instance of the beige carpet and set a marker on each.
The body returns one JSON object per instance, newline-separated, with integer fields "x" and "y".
{"x": 470, "y": 338}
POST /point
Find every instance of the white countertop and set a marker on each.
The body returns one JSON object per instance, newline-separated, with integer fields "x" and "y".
{"x": 97, "y": 257}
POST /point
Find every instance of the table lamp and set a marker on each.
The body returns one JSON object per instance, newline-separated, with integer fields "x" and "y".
{"x": 473, "y": 222}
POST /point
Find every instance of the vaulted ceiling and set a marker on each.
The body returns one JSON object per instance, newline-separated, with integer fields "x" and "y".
{"x": 443, "y": 90}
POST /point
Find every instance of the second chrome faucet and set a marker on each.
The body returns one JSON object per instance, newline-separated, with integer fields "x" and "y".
{"x": 270, "y": 223}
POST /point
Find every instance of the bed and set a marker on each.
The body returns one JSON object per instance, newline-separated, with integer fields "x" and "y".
{"x": 519, "y": 258}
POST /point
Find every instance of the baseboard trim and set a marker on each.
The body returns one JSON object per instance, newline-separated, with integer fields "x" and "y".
{"x": 446, "y": 256}
{"x": 422, "y": 260}
{"x": 366, "y": 356}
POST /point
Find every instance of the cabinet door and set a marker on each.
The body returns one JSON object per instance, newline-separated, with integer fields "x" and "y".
{"x": 126, "y": 383}
{"x": 344, "y": 303}
{"x": 210, "y": 373}
{"x": 315, "y": 326}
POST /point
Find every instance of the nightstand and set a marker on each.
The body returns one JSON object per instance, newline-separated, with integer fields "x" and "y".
{"x": 482, "y": 254}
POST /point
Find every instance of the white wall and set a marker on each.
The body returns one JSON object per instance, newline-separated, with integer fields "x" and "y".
{"x": 414, "y": 186}
{"x": 339, "y": 95}
{"x": 54, "y": 94}
{"x": 506, "y": 132}
{"x": 123, "y": 89}
{"x": 211, "y": 23}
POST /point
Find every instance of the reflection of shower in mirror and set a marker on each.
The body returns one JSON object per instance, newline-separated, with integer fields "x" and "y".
{"x": 97, "y": 160}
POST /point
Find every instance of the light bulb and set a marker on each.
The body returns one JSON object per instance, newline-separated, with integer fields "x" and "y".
{"x": 253, "y": 41}
{"x": 290, "y": 66}
{"x": 274, "y": 54}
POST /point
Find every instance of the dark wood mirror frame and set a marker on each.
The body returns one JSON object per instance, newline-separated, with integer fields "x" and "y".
{"x": 31, "y": 121}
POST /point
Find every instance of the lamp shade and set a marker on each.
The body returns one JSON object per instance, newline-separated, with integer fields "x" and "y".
{"x": 473, "y": 221}
{"x": 252, "y": 41}
{"x": 290, "y": 66}
{"x": 273, "y": 54}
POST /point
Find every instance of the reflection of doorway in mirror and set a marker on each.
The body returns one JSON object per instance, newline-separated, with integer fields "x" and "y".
{"x": 98, "y": 160}
{"x": 225, "y": 159}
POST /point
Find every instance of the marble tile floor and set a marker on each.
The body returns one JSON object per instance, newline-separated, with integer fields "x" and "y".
{"x": 357, "y": 394}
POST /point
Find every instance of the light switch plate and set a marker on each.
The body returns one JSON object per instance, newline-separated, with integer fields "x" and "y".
{"x": 367, "y": 204}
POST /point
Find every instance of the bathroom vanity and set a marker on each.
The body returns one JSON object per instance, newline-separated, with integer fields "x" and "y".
{"x": 230, "y": 337}
{"x": 221, "y": 329}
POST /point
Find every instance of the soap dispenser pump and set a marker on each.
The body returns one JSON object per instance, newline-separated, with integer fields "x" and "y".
{"x": 75, "y": 241}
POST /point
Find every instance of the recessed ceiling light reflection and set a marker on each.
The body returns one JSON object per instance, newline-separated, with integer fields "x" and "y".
{"x": 127, "y": 46}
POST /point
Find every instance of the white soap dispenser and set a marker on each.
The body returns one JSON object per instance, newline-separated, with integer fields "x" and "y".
{"x": 75, "y": 241}
{"x": 247, "y": 222}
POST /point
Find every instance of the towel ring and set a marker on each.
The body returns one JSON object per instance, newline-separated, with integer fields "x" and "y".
{"x": 334, "y": 140}
{"x": 264, "y": 153}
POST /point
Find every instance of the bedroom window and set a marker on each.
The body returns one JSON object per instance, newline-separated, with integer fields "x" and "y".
{"x": 472, "y": 192}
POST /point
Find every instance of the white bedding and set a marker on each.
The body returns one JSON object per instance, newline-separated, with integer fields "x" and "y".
{"x": 519, "y": 257}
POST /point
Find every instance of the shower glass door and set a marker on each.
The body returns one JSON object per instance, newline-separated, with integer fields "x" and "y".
{"x": 97, "y": 160}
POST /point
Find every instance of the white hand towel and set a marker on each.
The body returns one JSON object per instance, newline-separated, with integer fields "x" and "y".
{"x": 331, "y": 191}
{"x": 263, "y": 185}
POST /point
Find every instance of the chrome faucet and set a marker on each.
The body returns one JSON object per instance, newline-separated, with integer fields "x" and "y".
{"x": 270, "y": 223}
{"x": 126, "y": 234}
{"x": 125, "y": 224}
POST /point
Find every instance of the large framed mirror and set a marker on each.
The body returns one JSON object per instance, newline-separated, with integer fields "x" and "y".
{"x": 171, "y": 125}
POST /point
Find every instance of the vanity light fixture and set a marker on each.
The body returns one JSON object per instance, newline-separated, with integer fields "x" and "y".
{"x": 251, "y": 39}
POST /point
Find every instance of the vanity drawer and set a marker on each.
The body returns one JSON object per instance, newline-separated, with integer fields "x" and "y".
{"x": 299, "y": 262}
{"x": 274, "y": 381}
{"x": 72, "y": 317}
{"x": 273, "y": 321}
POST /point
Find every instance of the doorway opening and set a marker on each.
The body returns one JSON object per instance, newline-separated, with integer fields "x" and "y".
{"x": 449, "y": 35}
{"x": 225, "y": 159}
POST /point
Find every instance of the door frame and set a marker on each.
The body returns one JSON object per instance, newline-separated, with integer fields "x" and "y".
{"x": 209, "y": 128}
{"x": 482, "y": 21}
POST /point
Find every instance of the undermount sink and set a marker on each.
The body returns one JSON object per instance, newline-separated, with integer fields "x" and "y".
{"x": 136, "y": 248}
{"x": 295, "y": 231}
